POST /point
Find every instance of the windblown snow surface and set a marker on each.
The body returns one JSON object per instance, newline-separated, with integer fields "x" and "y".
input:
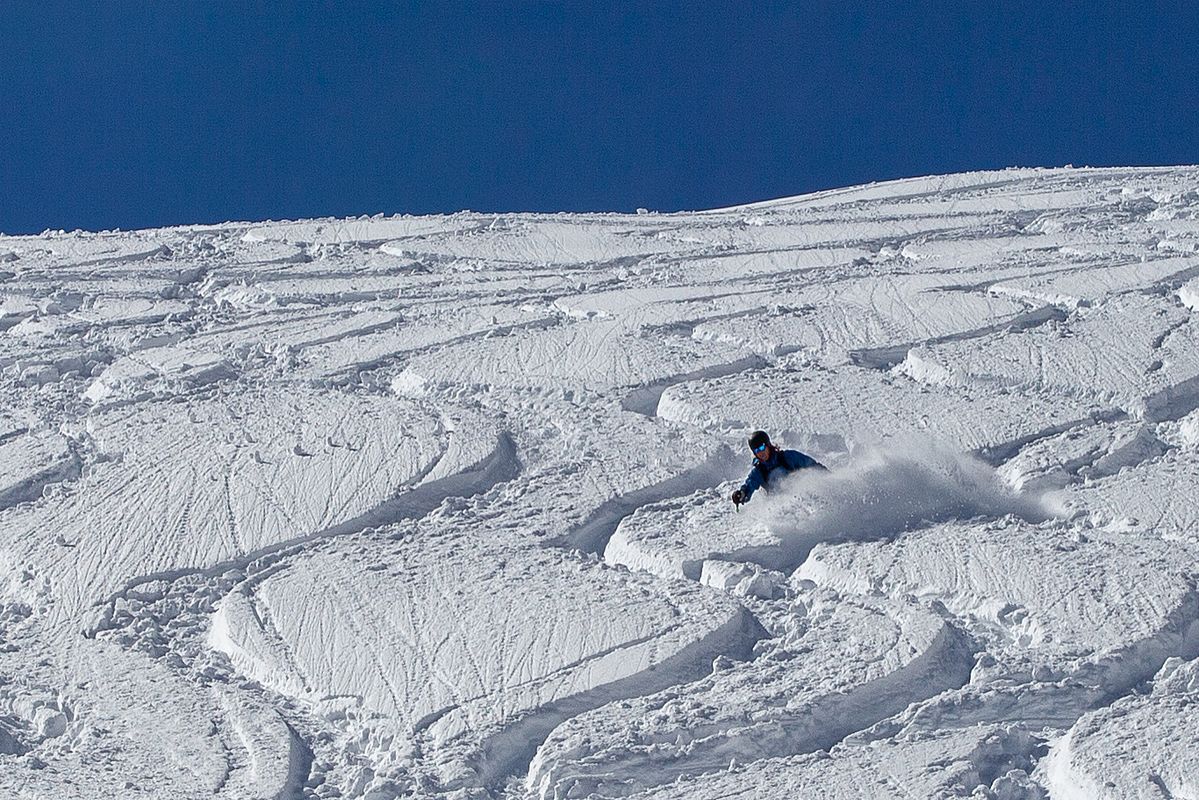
{"x": 438, "y": 507}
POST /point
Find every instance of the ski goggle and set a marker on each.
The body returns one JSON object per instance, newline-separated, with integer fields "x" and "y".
{"x": 761, "y": 448}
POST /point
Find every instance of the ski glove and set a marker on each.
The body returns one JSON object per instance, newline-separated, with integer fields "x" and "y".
{"x": 738, "y": 497}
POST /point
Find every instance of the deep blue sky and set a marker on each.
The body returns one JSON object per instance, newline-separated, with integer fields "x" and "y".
{"x": 117, "y": 114}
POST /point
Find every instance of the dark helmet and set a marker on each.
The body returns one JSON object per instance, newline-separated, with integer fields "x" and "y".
{"x": 757, "y": 439}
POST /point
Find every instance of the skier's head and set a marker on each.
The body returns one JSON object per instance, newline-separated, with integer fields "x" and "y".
{"x": 759, "y": 443}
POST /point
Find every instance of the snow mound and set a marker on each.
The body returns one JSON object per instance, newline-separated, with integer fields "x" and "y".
{"x": 167, "y": 369}
{"x": 1141, "y": 746}
{"x": 839, "y": 667}
{"x": 242, "y": 297}
{"x": 1067, "y": 619}
{"x": 31, "y": 461}
{"x": 364, "y": 341}
{"x": 435, "y": 662}
{"x": 1153, "y": 499}
{"x": 1131, "y": 353}
{"x": 859, "y": 407}
{"x": 1082, "y": 454}
{"x": 833, "y": 323}
{"x": 189, "y": 486}
{"x": 984, "y": 761}
{"x": 29, "y": 718}
{"x": 1095, "y": 281}
{"x": 146, "y": 720}
{"x": 23, "y": 593}
{"x": 593, "y": 355}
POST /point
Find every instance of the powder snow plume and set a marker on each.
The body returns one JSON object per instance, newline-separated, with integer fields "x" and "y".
{"x": 885, "y": 489}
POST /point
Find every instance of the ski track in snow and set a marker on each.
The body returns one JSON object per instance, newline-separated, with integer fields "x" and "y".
{"x": 437, "y": 506}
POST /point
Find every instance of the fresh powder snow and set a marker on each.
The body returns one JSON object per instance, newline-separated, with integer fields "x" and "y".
{"x": 439, "y": 507}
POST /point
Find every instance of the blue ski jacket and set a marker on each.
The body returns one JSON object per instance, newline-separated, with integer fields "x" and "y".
{"x": 787, "y": 460}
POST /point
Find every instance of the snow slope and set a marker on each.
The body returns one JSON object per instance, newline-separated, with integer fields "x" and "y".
{"x": 437, "y": 507}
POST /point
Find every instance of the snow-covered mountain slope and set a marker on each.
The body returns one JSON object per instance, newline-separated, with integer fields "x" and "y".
{"x": 439, "y": 507}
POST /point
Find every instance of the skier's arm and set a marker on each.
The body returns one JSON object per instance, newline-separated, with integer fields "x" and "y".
{"x": 751, "y": 485}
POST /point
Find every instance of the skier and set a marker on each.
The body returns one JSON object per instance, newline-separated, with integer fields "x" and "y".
{"x": 768, "y": 458}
